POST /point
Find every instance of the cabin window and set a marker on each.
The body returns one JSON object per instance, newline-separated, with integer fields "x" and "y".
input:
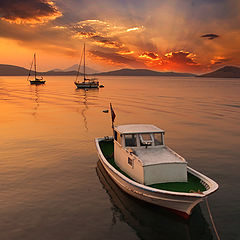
{"x": 158, "y": 139}
{"x": 130, "y": 162}
{"x": 119, "y": 138}
{"x": 145, "y": 139}
{"x": 130, "y": 140}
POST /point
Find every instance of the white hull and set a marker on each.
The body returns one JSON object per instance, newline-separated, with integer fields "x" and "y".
{"x": 181, "y": 202}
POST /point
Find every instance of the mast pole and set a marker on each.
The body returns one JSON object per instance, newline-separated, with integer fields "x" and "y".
{"x": 84, "y": 63}
{"x": 35, "y": 66}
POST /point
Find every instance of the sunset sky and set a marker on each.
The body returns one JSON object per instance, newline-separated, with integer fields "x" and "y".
{"x": 165, "y": 35}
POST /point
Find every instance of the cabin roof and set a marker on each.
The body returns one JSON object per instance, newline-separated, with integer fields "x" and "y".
{"x": 153, "y": 155}
{"x": 137, "y": 128}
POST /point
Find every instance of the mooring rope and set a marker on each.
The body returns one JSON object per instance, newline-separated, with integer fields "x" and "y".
{"x": 211, "y": 218}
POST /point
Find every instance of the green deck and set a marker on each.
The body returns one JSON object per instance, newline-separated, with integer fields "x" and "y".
{"x": 192, "y": 185}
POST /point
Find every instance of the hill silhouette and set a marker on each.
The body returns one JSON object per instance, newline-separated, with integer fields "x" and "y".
{"x": 143, "y": 72}
{"x": 224, "y": 72}
{"x": 11, "y": 70}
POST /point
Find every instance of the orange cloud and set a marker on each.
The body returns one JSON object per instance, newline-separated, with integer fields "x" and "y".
{"x": 126, "y": 52}
{"x": 150, "y": 55}
{"x": 117, "y": 59}
{"x": 181, "y": 57}
{"x": 218, "y": 60}
{"x": 176, "y": 60}
{"x": 104, "y": 34}
{"x": 28, "y": 11}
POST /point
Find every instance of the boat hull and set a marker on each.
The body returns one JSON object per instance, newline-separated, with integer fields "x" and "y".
{"x": 180, "y": 203}
{"x": 37, "y": 82}
{"x": 87, "y": 85}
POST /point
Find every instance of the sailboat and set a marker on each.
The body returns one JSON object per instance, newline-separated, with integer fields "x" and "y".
{"x": 37, "y": 80}
{"x": 87, "y": 82}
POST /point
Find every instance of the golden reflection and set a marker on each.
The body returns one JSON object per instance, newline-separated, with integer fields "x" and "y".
{"x": 35, "y": 91}
{"x": 83, "y": 99}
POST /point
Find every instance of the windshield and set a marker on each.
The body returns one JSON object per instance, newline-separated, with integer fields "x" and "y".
{"x": 145, "y": 139}
{"x": 130, "y": 140}
{"x": 158, "y": 139}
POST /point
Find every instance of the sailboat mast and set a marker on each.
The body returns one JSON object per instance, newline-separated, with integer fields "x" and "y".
{"x": 35, "y": 66}
{"x": 84, "y": 62}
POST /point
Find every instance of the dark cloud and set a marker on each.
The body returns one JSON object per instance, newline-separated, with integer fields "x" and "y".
{"x": 107, "y": 41}
{"x": 116, "y": 58}
{"x": 210, "y": 36}
{"x": 151, "y": 55}
{"x": 84, "y": 29}
{"x": 28, "y": 11}
{"x": 42, "y": 37}
{"x": 181, "y": 57}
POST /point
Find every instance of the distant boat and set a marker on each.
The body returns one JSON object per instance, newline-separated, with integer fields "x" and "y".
{"x": 37, "y": 80}
{"x": 87, "y": 82}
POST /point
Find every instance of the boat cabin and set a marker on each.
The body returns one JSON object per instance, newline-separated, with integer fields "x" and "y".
{"x": 140, "y": 151}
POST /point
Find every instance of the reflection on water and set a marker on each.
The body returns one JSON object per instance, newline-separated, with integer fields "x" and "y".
{"x": 49, "y": 187}
{"x": 35, "y": 90}
{"x": 152, "y": 222}
{"x": 83, "y": 98}
{"x": 83, "y": 92}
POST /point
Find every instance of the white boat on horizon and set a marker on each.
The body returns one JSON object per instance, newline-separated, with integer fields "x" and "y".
{"x": 140, "y": 163}
{"x": 87, "y": 82}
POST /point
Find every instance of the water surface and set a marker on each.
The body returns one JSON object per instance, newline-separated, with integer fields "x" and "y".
{"x": 52, "y": 187}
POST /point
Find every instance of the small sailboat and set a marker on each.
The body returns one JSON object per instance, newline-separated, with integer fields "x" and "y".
{"x": 140, "y": 163}
{"x": 37, "y": 80}
{"x": 87, "y": 82}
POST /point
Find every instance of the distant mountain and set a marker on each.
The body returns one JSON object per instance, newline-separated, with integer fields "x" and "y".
{"x": 56, "y": 70}
{"x": 10, "y": 70}
{"x": 75, "y": 68}
{"x": 60, "y": 73}
{"x": 143, "y": 72}
{"x": 224, "y": 72}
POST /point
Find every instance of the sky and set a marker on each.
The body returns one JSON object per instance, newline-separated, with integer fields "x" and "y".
{"x": 194, "y": 36}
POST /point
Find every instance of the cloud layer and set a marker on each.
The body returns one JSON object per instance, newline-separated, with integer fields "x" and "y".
{"x": 153, "y": 34}
{"x": 28, "y": 11}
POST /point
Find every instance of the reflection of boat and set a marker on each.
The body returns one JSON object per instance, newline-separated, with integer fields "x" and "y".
{"x": 82, "y": 98}
{"x": 83, "y": 112}
{"x": 87, "y": 82}
{"x": 36, "y": 100}
{"x": 140, "y": 164}
{"x": 37, "y": 80}
{"x": 149, "y": 221}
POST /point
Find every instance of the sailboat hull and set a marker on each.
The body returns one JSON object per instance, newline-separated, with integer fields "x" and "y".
{"x": 87, "y": 84}
{"x": 37, "y": 82}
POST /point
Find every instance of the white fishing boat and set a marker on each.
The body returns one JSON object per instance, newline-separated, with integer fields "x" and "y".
{"x": 140, "y": 163}
{"x": 37, "y": 80}
{"x": 87, "y": 82}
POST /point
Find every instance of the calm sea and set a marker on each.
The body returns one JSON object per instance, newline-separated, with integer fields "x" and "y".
{"x": 52, "y": 186}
